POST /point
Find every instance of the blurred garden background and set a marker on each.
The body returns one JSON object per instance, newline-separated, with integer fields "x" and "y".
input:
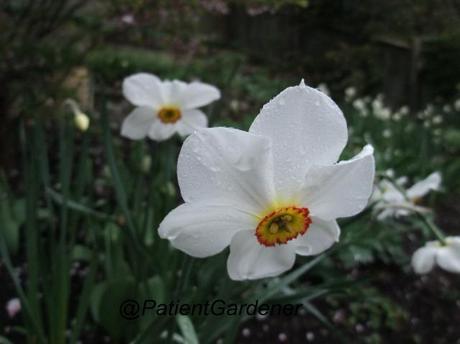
{"x": 76, "y": 202}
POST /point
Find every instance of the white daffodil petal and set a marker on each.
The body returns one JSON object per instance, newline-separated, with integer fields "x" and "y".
{"x": 319, "y": 237}
{"x": 384, "y": 213}
{"x": 197, "y": 94}
{"x": 448, "y": 257}
{"x": 138, "y": 123}
{"x": 226, "y": 166}
{"x": 420, "y": 189}
{"x": 160, "y": 131}
{"x": 342, "y": 189}
{"x": 172, "y": 92}
{"x": 203, "y": 230}
{"x": 423, "y": 259}
{"x": 143, "y": 89}
{"x": 250, "y": 260}
{"x": 393, "y": 196}
{"x": 306, "y": 127}
{"x": 191, "y": 121}
{"x": 401, "y": 181}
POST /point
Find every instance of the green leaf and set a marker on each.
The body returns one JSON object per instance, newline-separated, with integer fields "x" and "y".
{"x": 11, "y": 217}
{"x": 84, "y": 301}
{"x": 10, "y": 227}
{"x": 59, "y": 199}
{"x": 80, "y": 252}
{"x": 187, "y": 329}
{"x": 155, "y": 289}
{"x": 4, "y": 340}
{"x": 114, "y": 295}
{"x": 96, "y": 297}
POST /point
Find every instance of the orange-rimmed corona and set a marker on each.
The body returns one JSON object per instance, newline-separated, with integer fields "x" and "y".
{"x": 169, "y": 114}
{"x": 282, "y": 225}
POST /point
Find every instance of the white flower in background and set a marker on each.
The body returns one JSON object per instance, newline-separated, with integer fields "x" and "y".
{"x": 377, "y": 103}
{"x": 272, "y": 192}
{"x": 437, "y": 119}
{"x": 457, "y": 105}
{"x": 323, "y": 88}
{"x": 446, "y": 256}
{"x": 13, "y": 307}
{"x": 234, "y": 105}
{"x": 397, "y": 117}
{"x": 128, "y": 19}
{"x": 350, "y": 93}
{"x": 391, "y": 174}
{"x": 360, "y": 105}
{"x": 404, "y": 110}
{"x": 447, "y": 108}
{"x": 80, "y": 119}
{"x": 392, "y": 202}
{"x": 165, "y": 107}
{"x": 387, "y": 133}
{"x": 379, "y": 110}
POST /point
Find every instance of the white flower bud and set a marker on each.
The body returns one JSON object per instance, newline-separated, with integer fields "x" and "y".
{"x": 81, "y": 121}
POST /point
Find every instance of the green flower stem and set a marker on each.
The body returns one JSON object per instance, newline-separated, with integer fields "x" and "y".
{"x": 186, "y": 268}
{"x": 434, "y": 229}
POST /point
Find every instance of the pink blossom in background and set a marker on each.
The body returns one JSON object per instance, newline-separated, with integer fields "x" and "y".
{"x": 13, "y": 307}
{"x": 128, "y": 19}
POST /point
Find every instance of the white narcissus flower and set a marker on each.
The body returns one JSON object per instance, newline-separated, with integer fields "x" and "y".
{"x": 434, "y": 253}
{"x": 165, "y": 107}
{"x": 350, "y": 93}
{"x": 272, "y": 192}
{"x": 457, "y": 105}
{"x": 393, "y": 201}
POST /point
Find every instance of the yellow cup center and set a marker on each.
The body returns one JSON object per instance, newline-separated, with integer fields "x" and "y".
{"x": 282, "y": 225}
{"x": 169, "y": 114}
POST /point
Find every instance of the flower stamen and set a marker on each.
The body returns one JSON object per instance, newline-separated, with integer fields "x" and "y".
{"x": 169, "y": 114}
{"x": 282, "y": 225}
{"x": 274, "y": 228}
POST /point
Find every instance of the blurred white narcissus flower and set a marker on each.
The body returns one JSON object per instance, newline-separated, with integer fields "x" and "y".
{"x": 434, "y": 253}
{"x": 437, "y": 119}
{"x": 13, "y": 307}
{"x": 323, "y": 88}
{"x": 359, "y": 104}
{"x": 165, "y": 107}
{"x": 404, "y": 110}
{"x": 80, "y": 119}
{"x": 272, "y": 192}
{"x": 128, "y": 19}
{"x": 379, "y": 110}
{"x": 392, "y": 202}
{"x": 397, "y": 117}
{"x": 350, "y": 93}
{"x": 457, "y": 105}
